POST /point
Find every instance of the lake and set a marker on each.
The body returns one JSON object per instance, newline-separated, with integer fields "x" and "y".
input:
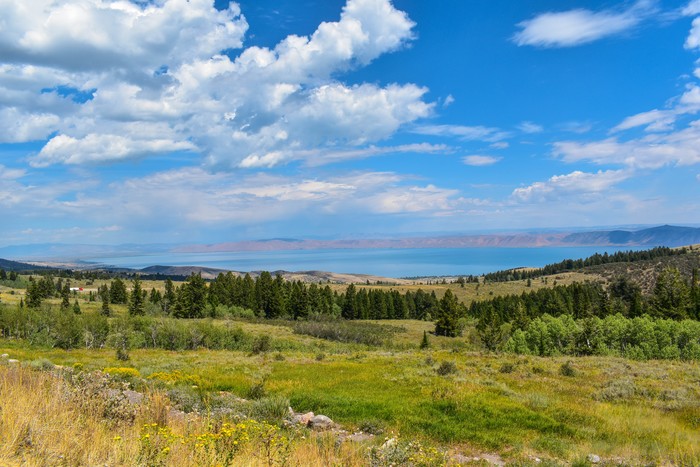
{"x": 387, "y": 262}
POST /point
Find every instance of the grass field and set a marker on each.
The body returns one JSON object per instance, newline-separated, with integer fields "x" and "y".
{"x": 454, "y": 402}
{"x": 464, "y": 401}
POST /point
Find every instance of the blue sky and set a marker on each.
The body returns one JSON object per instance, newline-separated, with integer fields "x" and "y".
{"x": 175, "y": 121}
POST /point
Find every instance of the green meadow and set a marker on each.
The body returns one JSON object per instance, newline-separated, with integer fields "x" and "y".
{"x": 450, "y": 394}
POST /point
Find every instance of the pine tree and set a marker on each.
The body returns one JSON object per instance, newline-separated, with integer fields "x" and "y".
{"x": 136, "y": 299}
{"x": 65, "y": 296}
{"x": 489, "y": 327}
{"x": 671, "y": 295}
{"x": 168, "y": 296}
{"x": 424, "y": 343}
{"x": 117, "y": 291}
{"x": 191, "y": 299}
{"x": 155, "y": 296}
{"x": 105, "y": 310}
{"x": 348, "y": 311}
{"x": 76, "y": 307}
{"x": 447, "y": 316}
{"x": 34, "y": 294}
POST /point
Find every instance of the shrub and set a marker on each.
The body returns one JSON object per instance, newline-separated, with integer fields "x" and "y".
{"x": 271, "y": 408}
{"x": 617, "y": 390}
{"x": 567, "y": 369}
{"x": 507, "y": 368}
{"x": 446, "y": 368}
{"x": 261, "y": 344}
{"x": 257, "y": 390}
{"x": 42, "y": 364}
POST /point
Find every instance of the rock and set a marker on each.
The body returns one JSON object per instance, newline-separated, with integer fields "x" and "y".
{"x": 359, "y": 437}
{"x": 593, "y": 459}
{"x": 321, "y": 422}
{"x": 13, "y": 360}
{"x": 4, "y": 356}
{"x": 133, "y": 397}
{"x": 389, "y": 443}
{"x": 493, "y": 459}
{"x": 303, "y": 419}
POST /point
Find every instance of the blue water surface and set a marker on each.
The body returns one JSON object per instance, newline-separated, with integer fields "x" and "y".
{"x": 387, "y": 262}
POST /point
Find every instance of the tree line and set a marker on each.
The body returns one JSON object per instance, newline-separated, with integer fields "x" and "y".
{"x": 576, "y": 264}
{"x": 673, "y": 298}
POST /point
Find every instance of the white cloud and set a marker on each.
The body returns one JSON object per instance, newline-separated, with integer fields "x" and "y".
{"x": 412, "y": 200}
{"x": 449, "y": 100}
{"x": 105, "y": 35}
{"x": 693, "y": 39}
{"x": 530, "y": 128}
{"x": 96, "y": 148}
{"x": 653, "y": 151}
{"x": 577, "y": 127}
{"x": 574, "y": 184}
{"x": 321, "y": 157}
{"x": 18, "y": 127}
{"x": 692, "y": 8}
{"x": 466, "y": 133}
{"x": 663, "y": 145}
{"x": 180, "y": 200}
{"x": 654, "y": 120}
{"x": 576, "y": 27}
{"x": 7, "y": 173}
{"x": 480, "y": 160}
{"x": 96, "y": 72}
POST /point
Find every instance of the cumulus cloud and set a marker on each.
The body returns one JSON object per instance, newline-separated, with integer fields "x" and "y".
{"x": 92, "y": 72}
{"x": 477, "y": 160}
{"x": 102, "y": 35}
{"x": 19, "y": 127}
{"x": 580, "y": 26}
{"x": 576, "y": 183}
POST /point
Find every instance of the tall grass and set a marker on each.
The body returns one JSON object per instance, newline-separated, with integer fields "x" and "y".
{"x": 41, "y": 426}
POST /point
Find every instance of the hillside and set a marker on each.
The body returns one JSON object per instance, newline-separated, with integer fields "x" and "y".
{"x": 644, "y": 273}
{"x": 667, "y": 235}
{"x": 17, "y": 266}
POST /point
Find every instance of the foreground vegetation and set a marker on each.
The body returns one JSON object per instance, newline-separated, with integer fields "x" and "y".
{"x": 557, "y": 374}
{"x": 626, "y": 412}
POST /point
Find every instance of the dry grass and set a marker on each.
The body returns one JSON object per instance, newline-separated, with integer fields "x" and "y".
{"x": 41, "y": 425}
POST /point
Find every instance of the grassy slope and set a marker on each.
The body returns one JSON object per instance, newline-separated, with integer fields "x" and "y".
{"x": 517, "y": 406}
{"x": 622, "y": 410}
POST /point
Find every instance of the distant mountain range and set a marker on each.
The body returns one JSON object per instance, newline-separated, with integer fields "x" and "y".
{"x": 666, "y": 235}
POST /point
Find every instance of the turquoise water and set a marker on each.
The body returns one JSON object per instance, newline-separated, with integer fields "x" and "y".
{"x": 395, "y": 262}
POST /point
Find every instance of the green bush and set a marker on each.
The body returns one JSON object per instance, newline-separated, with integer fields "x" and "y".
{"x": 567, "y": 369}
{"x": 446, "y": 368}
